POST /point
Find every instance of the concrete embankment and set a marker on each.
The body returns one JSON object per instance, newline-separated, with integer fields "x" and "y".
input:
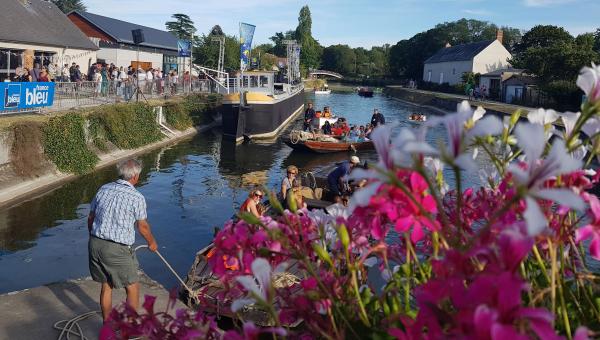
{"x": 16, "y": 189}
{"x": 447, "y": 102}
{"x": 31, "y": 313}
{"x": 36, "y": 157}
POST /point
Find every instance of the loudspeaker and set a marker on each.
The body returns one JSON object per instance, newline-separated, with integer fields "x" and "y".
{"x": 138, "y": 36}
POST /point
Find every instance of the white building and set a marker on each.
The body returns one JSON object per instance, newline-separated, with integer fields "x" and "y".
{"x": 449, "y": 63}
{"x": 114, "y": 37}
{"x": 36, "y": 31}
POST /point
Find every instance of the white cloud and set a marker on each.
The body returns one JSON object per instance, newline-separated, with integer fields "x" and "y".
{"x": 477, "y": 12}
{"x": 545, "y": 3}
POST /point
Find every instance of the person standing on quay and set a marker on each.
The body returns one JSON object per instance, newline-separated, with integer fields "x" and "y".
{"x": 114, "y": 211}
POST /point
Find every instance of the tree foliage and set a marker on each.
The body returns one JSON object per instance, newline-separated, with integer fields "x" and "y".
{"x": 206, "y": 50}
{"x": 310, "y": 57}
{"x": 182, "y": 26}
{"x": 67, "y": 6}
{"x": 552, "y": 54}
{"x": 279, "y": 48}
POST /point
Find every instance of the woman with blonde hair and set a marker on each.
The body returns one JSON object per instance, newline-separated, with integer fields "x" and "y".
{"x": 286, "y": 183}
{"x": 252, "y": 203}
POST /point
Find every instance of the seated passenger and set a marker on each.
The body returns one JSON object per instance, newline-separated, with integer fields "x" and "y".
{"x": 252, "y": 203}
{"x": 326, "y": 128}
{"x": 286, "y": 183}
{"x": 295, "y": 193}
{"x": 353, "y": 134}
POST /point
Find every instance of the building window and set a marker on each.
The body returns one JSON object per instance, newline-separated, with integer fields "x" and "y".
{"x": 429, "y": 76}
{"x": 453, "y": 71}
{"x": 442, "y": 78}
{"x": 10, "y": 60}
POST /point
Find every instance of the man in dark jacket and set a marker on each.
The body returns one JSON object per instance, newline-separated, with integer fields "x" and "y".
{"x": 309, "y": 115}
{"x": 377, "y": 118}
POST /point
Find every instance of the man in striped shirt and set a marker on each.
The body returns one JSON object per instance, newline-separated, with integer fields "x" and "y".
{"x": 114, "y": 212}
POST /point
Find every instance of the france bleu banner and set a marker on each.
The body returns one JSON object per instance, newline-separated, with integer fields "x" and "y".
{"x": 26, "y": 95}
{"x": 246, "y": 35}
{"x": 184, "y": 48}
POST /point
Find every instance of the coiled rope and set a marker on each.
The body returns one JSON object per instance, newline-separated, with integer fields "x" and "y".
{"x": 71, "y": 326}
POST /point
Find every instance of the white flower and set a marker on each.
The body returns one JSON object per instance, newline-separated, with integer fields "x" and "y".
{"x": 258, "y": 285}
{"x": 569, "y": 119}
{"x": 542, "y": 117}
{"x": 591, "y": 126}
{"x": 532, "y": 141}
{"x": 589, "y": 82}
{"x": 455, "y": 154}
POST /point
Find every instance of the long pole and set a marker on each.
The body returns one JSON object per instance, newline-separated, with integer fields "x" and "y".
{"x": 137, "y": 74}
{"x": 191, "y": 60}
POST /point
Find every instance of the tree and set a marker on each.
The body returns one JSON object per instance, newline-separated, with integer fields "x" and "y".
{"x": 597, "y": 41}
{"x": 552, "y": 54}
{"x": 182, "y": 27}
{"x": 339, "y": 58}
{"x": 67, "y": 6}
{"x": 279, "y": 49}
{"x": 206, "y": 51}
{"x": 310, "y": 56}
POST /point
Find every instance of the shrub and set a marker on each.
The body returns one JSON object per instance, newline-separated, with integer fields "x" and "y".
{"x": 130, "y": 126}
{"x": 65, "y": 144}
{"x": 177, "y": 116}
{"x": 201, "y": 107}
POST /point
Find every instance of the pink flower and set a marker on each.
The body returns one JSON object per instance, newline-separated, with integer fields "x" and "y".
{"x": 413, "y": 216}
{"x": 592, "y": 230}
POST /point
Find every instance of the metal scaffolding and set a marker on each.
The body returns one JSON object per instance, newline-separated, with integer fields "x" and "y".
{"x": 293, "y": 61}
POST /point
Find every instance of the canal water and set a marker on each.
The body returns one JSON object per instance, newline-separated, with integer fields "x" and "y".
{"x": 190, "y": 188}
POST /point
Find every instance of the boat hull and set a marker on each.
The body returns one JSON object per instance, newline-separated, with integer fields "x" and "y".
{"x": 328, "y": 147}
{"x": 260, "y": 119}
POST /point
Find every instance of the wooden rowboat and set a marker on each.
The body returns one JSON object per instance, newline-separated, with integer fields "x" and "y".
{"x": 329, "y": 147}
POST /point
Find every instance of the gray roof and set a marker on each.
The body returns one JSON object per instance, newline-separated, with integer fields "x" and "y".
{"x": 121, "y": 31}
{"x": 462, "y": 52}
{"x": 498, "y": 72}
{"x": 40, "y": 22}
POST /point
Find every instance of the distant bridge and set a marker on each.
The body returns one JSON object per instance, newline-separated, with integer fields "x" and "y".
{"x": 325, "y": 73}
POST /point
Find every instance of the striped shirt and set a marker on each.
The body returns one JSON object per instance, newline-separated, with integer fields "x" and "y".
{"x": 116, "y": 207}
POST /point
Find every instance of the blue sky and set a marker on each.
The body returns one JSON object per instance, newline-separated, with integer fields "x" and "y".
{"x": 354, "y": 22}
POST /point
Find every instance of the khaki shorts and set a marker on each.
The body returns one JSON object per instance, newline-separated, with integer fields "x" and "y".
{"x": 112, "y": 262}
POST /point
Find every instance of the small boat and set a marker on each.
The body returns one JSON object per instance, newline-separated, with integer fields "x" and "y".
{"x": 417, "y": 118}
{"x": 365, "y": 92}
{"x": 323, "y": 91}
{"x": 328, "y": 147}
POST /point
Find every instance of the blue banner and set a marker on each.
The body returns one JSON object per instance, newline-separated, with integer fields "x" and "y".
{"x": 184, "y": 48}
{"x": 26, "y": 95}
{"x": 246, "y": 35}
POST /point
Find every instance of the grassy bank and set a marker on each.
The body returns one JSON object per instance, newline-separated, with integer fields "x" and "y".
{"x": 72, "y": 140}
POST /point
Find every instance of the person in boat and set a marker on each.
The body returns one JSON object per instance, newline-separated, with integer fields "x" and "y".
{"x": 327, "y": 128}
{"x": 352, "y": 135}
{"x": 368, "y": 130}
{"x": 295, "y": 193}
{"x": 377, "y": 118}
{"x": 337, "y": 180}
{"x": 326, "y": 112}
{"x": 309, "y": 116}
{"x": 252, "y": 203}
{"x": 288, "y": 180}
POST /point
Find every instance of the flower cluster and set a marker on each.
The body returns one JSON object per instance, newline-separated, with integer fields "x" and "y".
{"x": 417, "y": 256}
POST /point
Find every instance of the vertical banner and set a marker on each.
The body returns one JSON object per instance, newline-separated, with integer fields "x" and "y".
{"x": 246, "y": 35}
{"x": 184, "y": 48}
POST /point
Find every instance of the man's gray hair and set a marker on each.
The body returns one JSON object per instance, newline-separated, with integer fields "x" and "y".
{"x": 130, "y": 168}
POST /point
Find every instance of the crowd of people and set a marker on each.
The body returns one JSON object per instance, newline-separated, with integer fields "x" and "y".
{"x": 348, "y": 133}
{"x": 477, "y": 92}
{"x": 107, "y": 79}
